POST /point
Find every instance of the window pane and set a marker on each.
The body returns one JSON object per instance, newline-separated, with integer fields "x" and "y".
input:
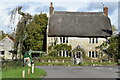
{"x": 66, "y": 39}
{"x": 93, "y": 54}
{"x": 63, "y": 39}
{"x": 67, "y": 53}
{"x": 89, "y": 54}
{"x": 89, "y": 40}
{"x": 93, "y": 40}
{"x": 96, "y": 40}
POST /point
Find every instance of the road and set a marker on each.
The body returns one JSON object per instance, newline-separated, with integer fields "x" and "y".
{"x": 80, "y": 72}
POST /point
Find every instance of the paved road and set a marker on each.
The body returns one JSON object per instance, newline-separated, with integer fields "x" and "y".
{"x": 80, "y": 72}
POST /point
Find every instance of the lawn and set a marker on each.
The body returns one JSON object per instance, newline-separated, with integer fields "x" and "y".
{"x": 17, "y": 73}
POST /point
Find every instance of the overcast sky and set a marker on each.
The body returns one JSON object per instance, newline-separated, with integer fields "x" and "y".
{"x": 38, "y": 6}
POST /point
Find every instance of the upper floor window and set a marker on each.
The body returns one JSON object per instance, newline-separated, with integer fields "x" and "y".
{"x": 93, "y": 40}
{"x": 63, "y": 39}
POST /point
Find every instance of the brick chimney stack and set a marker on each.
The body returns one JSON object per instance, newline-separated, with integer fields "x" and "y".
{"x": 51, "y": 8}
{"x": 105, "y": 11}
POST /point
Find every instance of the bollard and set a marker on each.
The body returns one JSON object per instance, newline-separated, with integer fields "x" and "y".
{"x": 32, "y": 68}
{"x": 29, "y": 71}
{"x": 56, "y": 61}
{"x": 43, "y": 61}
{"x": 23, "y": 74}
{"x": 48, "y": 60}
{"x": 63, "y": 61}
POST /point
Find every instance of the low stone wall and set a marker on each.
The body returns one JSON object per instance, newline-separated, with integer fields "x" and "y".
{"x": 55, "y": 61}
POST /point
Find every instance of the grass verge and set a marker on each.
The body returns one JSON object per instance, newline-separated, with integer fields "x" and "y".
{"x": 17, "y": 73}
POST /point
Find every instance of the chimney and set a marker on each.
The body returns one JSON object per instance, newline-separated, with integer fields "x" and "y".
{"x": 51, "y": 8}
{"x": 105, "y": 11}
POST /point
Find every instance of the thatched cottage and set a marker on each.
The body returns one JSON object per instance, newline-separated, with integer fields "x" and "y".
{"x": 84, "y": 30}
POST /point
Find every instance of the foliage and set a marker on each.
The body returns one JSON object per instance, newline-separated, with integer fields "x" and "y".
{"x": 49, "y": 57}
{"x": 31, "y": 32}
{"x": 54, "y": 50}
{"x": 36, "y": 30}
{"x": 3, "y": 35}
{"x": 60, "y": 47}
{"x": 54, "y": 64}
{"x": 111, "y": 48}
{"x": 21, "y": 32}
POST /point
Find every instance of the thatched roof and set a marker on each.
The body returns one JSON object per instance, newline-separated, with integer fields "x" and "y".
{"x": 79, "y": 24}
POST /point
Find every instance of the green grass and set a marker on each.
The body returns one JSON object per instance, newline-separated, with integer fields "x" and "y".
{"x": 17, "y": 73}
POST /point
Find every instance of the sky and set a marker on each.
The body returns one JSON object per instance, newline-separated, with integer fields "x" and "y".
{"x": 38, "y": 6}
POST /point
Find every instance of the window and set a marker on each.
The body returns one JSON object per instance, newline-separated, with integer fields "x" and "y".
{"x": 93, "y": 40}
{"x": 63, "y": 39}
{"x": 2, "y": 52}
{"x": 92, "y": 54}
{"x": 64, "y": 54}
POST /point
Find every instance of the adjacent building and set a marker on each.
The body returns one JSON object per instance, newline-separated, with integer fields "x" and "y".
{"x": 6, "y": 47}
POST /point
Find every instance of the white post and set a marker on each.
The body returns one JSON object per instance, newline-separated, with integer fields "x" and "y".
{"x": 23, "y": 74}
{"x": 29, "y": 71}
{"x": 48, "y": 60}
{"x": 56, "y": 61}
{"x": 63, "y": 61}
{"x": 32, "y": 68}
{"x": 42, "y": 60}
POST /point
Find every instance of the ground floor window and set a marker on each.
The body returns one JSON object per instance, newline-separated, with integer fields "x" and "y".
{"x": 64, "y": 54}
{"x": 92, "y": 54}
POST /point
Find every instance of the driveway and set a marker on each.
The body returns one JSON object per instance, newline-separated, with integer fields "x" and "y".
{"x": 80, "y": 72}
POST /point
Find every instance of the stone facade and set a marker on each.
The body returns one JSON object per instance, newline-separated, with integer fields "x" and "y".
{"x": 85, "y": 43}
